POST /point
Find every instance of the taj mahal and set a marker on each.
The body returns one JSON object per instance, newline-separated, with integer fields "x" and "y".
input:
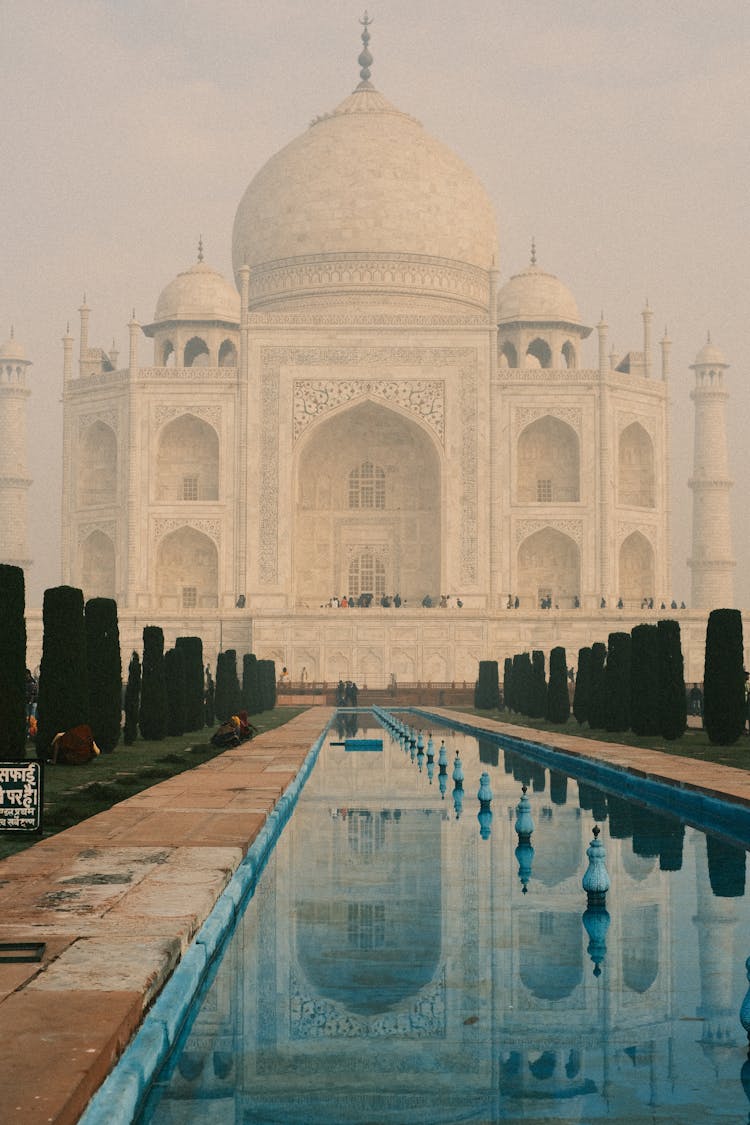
{"x": 376, "y": 404}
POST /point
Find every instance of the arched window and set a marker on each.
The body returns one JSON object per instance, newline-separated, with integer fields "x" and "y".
{"x": 568, "y": 354}
{"x": 168, "y": 357}
{"x": 196, "y": 353}
{"x": 227, "y": 354}
{"x": 549, "y": 565}
{"x": 367, "y": 486}
{"x": 510, "y": 354}
{"x": 540, "y": 350}
{"x": 187, "y": 571}
{"x": 366, "y": 575}
{"x": 98, "y": 566}
{"x": 636, "y": 568}
{"x": 548, "y": 463}
{"x": 636, "y": 467}
{"x": 187, "y": 461}
{"x": 97, "y": 466}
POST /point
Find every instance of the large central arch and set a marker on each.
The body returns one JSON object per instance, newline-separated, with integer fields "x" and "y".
{"x": 367, "y": 508}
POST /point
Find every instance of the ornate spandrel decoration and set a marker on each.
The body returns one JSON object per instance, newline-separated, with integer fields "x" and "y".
{"x": 464, "y": 363}
{"x": 523, "y": 416}
{"x": 647, "y": 530}
{"x": 164, "y": 413}
{"x": 110, "y": 418}
{"x": 211, "y": 528}
{"x": 314, "y": 1017}
{"x": 106, "y": 527}
{"x": 423, "y": 397}
{"x": 647, "y": 421}
{"x": 572, "y": 528}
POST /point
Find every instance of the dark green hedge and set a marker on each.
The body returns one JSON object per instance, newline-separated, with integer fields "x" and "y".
{"x": 12, "y": 663}
{"x": 672, "y": 697}
{"x": 558, "y": 700}
{"x": 644, "y": 680}
{"x": 152, "y": 718}
{"x": 192, "y": 652}
{"x": 104, "y": 671}
{"x": 724, "y": 707}
{"x": 487, "y": 687}
{"x": 63, "y": 677}
{"x": 132, "y": 700}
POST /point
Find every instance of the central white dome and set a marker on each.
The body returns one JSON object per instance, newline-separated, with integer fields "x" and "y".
{"x": 365, "y": 182}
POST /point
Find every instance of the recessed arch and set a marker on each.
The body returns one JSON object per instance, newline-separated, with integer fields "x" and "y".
{"x": 636, "y": 475}
{"x": 187, "y": 460}
{"x": 548, "y": 463}
{"x": 636, "y": 568}
{"x": 549, "y": 565}
{"x": 367, "y": 482}
{"x": 640, "y": 947}
{"x": 196, "y": 353}
{"x": 545, "y": 930}
{"x": 227, "y": 354}
{"x": 97, "y": 465}
{"x": 97, "y": 566}
{"x": 168, "y": 357}
{"x": 568, "y": 353}
{"x": 187, "y": 571}
{"x": 539, "y": 350}
{"x": 509, "y": 353}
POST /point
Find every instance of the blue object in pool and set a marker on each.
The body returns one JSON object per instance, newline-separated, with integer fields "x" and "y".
{"x": 364, "y": 743}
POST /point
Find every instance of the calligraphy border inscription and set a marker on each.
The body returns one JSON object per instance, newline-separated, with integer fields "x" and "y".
{"x": 273, "y": 359}
{"x": 21, "y": 796}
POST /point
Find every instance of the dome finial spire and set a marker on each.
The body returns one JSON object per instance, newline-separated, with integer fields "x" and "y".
{"x": 533, "y": 250}
{"x": 365, "y": 58}
{"x": 200, "y": 247}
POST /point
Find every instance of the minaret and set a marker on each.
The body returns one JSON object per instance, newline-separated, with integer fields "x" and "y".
{"x": 711, "y": 563}
{"x": 14, "y": 474}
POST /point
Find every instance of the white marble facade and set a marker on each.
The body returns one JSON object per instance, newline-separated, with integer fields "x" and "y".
{"x": 368, "y": 411}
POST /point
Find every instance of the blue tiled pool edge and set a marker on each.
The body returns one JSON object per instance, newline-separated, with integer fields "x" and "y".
{"x": 122, "y": 1094}
{"x": 693, "y": 805}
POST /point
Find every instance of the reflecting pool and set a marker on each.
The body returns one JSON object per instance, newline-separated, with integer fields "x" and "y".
{"x": 408, "y": 956}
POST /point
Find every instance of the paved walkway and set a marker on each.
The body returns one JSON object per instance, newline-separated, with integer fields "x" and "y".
{"x": 118, "y": 898}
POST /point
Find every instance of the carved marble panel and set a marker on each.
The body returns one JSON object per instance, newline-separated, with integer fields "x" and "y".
{"x": 572, "y": 528}
{"x": 163, "y": 526}
{"x": 423, "y": 397}
{"x": 525, "y": 415}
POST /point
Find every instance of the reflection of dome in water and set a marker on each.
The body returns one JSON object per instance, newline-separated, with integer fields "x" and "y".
{"x": 369, "y": 183}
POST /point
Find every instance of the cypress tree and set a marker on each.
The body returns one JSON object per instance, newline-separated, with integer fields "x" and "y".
{"x": 487, "y": 687}
{"x": 617, "y": 683}
{"x": 104, "y": 671}
{"x": 523, "y": 683}
{"x": 12, "y": 663}
{"x": 63, "y": 677}
{"x": 724, "y": 707}
{"x": 644, "y": 680}
{"x": 192, "y": 651}
{"x": 152, "y": 718}
{"x": 227, "y": 701}
{"x": 672, "y": 698}
{"x": 267, "y": 678}
{"x": 597, "y": 713}
{"x": 174, "y": 678}
{"x": 558, "y": 700}
{"x": 250, "y": 684}
{"x": 538, "y": 692}
{"x": 132, "y": 700}
{"x": 507, "y": 684}
{"x": 582, "y": 693}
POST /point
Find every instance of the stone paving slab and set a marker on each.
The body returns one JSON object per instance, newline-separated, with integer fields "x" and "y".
{"x": 117, "y": 900}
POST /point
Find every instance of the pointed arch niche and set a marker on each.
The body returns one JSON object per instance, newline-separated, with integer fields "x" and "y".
{"x": 187, "y": 461}
{"x": 97, "y": 566}
{"x": 549, "y": 565}
{"x": 636, "y": 568}
{"x": 548, "y": 465}
{"x": 367, "y": 499}
{"x": 97, "y": 466}
{"x": 635, "y": 462}
{"x": 187, "y": 571}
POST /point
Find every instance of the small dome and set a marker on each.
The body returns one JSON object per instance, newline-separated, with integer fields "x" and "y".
{"x": 534, "y": 295}
{"x": 11, "y": 349}
{"x": 710, "y": 356}
{"x": 199, "y": 293}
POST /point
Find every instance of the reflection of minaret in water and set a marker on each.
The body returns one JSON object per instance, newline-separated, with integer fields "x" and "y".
{"x": 715, "y": 921}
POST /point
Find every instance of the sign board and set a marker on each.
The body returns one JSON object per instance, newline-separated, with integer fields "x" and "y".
{"x": 364, "y": 744}
{"x": 21, "y": 796}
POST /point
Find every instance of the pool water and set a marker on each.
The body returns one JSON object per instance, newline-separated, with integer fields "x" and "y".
{"x": 404, "y": 959}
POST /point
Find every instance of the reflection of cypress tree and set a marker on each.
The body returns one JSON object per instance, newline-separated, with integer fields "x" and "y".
{"x": 558, "y": 787}
{"x": 597, "y": 710}
{"x": 726, "y": 868}
{"x": 489, "y": 752}
{"x": 620, "y": 817}
{"x": 521, "y": 770}
{"x": 599, "y": 805}
{"x": 670, "y": 856}
{"x": 646, "y": 833}
{"x": 585, "y": 796}
{"x": 617, "y": 683}
{"x": 644, "y": 680}
{"x": 538, "y": 777}
{"x": 582, "y": 694}
{"x": 508, "y": 761}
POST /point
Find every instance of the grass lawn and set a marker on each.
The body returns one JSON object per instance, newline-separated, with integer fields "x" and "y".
{"x": 74, "y": 793}
{"x": 693, "y": 744}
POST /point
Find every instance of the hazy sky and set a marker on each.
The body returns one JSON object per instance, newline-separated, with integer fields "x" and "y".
{"x": 616, "y": 133}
